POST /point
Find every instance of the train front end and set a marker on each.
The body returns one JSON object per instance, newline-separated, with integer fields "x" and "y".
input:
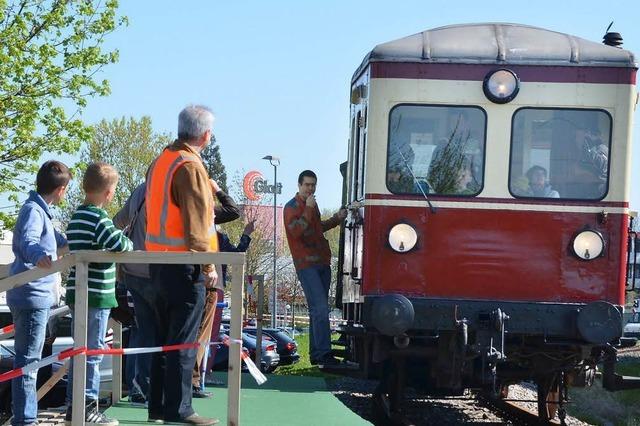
{"x": 488, "y": 186}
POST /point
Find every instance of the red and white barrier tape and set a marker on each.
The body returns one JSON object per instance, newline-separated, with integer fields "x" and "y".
{"x": 253, "y": 369}
{"x": 71, "y": 352}
{"x": 7, "y": 330}
{"x": 17, "y": 372}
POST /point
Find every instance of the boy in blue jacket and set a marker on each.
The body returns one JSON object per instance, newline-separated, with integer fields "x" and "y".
{"x": 35, "y": 243}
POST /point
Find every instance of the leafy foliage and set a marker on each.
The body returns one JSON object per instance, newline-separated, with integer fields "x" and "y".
{"x": 449, "y": 160}
{"x": 213, "y": 163}
{"x": 50, "y": 55}
{"x": 130, "y": 146}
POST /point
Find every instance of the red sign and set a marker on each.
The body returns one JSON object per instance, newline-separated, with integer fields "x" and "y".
{"x": 249, "y": 185}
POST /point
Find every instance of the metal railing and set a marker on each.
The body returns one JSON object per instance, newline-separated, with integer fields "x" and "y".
{"x": 82, "y": 259}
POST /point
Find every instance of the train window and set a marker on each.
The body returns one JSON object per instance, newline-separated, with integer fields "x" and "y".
{"x": 436, "y": 149}
{"x": 560, "y": 153}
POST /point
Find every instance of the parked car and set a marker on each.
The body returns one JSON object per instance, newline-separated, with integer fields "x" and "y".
{"x": 269, "y": 360}
{"x": 286, "y": 346}
{"x": 54, "y": 398}
{"x": 632, "y": 328}
{"x": 61, "y": 327}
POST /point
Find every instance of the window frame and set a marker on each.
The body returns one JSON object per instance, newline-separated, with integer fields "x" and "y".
{"x": 550, "y": 108}
{"x": 484, "y": 150}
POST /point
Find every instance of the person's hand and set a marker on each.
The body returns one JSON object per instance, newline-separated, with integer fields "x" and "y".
{"x": 341, "y": 214}
{"x": 311, "y": 201}
{"x": 44, "y": 262}
{"x": 249, "y": 228}
{"x": 210, "y": 277}
{"x": 214, "y": 186}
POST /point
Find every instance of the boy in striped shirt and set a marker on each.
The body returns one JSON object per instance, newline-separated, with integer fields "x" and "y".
{"x": 90, "y": 228}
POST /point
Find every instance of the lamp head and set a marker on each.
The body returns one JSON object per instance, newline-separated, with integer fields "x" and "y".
{"x": 273, "y": 160}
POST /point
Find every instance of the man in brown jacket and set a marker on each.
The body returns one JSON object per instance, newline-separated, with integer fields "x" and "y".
{"x": 179, "y": 207}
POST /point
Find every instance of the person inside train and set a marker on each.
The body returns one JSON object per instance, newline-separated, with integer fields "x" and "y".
{"x": 587, "y": 173}
{"x": 465, "y": 184}
{"x": 538, "y": 183}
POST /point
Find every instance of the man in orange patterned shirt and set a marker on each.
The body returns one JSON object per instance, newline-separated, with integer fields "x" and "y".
{"x": 312, "y": 259}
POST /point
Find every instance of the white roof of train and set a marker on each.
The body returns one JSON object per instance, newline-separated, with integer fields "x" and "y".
{"x": 499, "y": 43}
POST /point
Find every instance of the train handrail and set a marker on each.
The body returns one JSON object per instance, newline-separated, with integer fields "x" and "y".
{"x": 81, "y": 260}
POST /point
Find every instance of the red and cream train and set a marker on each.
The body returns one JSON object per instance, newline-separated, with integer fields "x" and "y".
{"x": 488, "y": 182}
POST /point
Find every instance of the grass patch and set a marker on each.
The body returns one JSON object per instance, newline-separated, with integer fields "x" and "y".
{"x": 303, "y": 367}
{"x": 601, "y": 407}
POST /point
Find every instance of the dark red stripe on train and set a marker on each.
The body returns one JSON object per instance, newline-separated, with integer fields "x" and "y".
{"x": 526, "y": 73}
{"x": 546, "y": 201}
{"x": 493, "y": 255}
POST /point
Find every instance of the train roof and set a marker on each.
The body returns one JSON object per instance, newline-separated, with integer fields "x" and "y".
{"x": 498, "y": 43}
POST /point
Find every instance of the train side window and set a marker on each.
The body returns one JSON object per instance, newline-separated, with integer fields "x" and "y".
{"x": 560, "y": 153}
{"x": 436, "y": 149}
{"x": 356, "y": 183}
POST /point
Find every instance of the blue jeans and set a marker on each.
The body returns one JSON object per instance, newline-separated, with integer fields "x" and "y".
{"x": 96, "y": 330}
{"x": 143, "y": 294}
{"x": 316, "y": 281}
{"x": 31, "y": 326}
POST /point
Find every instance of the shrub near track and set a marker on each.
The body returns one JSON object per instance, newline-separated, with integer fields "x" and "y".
{"x": 601, "y": 407}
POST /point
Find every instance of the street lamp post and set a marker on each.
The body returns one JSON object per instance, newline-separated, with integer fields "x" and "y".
{"x": 275, "y": 161}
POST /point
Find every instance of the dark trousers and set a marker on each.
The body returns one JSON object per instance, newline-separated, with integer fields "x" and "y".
{"x": 178, "y": 310}
{"x": 144, "y": 298}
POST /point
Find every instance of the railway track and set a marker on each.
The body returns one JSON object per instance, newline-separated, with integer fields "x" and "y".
{"x": 417, "y": 409}
{"x": 512, "y": 411}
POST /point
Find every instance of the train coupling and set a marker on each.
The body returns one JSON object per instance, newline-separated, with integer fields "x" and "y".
{"x": 612, "y": 381}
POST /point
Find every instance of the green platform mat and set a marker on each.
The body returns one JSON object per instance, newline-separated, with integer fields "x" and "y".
{"x": 282, "y": 400}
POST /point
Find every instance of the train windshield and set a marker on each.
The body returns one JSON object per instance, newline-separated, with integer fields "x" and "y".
{"x": 560, "y": 153}
{"x": 436, "y": 150}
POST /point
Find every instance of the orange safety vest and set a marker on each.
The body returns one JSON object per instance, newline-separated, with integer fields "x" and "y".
{"x": 165, "y": 230}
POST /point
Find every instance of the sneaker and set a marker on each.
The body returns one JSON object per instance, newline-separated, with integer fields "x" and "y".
{"x": 97, "y": 418}
{"x": 137, "y": 400}
{"x": 93, "y": 416}
{"x": 197, "y": 392}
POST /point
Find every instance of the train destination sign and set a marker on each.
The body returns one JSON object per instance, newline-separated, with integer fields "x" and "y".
{"x": 255, "y": 185}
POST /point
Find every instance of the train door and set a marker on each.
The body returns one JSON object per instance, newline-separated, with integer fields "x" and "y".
{"x": 353, "y": 239}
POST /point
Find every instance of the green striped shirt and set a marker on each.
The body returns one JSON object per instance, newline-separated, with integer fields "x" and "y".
{"x": 91, "y": 229}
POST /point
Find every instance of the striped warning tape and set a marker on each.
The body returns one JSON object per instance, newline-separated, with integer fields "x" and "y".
{"x": 17, "y": 372}
{"x": 7, "y": 330}
{"x": 71, "y": 352}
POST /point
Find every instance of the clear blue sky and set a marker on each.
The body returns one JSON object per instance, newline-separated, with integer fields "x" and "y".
{"x": 277, "y": 73}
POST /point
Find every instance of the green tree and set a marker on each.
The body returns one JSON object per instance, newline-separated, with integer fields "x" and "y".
{"x": 50, "y": 55}
{"x": 130, "y": 146}
{"x": 213, "y": 163}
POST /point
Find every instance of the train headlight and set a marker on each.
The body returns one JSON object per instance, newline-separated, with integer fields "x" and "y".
{"x": 501, "y": 86}
{"x": 588, "y": 245}
{"x": 402, "y": 237}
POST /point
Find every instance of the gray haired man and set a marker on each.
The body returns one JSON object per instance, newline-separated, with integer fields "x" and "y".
{"x": 180, "y": 217}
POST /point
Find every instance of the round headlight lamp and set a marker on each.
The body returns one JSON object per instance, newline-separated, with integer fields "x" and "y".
{"x": 501, "y": 86}
{"x": 402, "y": 237}
{"x": 588, "y": 245}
